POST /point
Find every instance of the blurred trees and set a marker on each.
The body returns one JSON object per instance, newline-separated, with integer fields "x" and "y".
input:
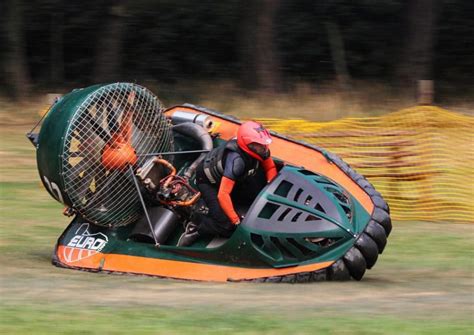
{"x": 263, "y": 44}
{"x": 417, "y": 54}
{"x": 56, "y": 44}
{"x": 109, "y": 46}
{"x": 259, "y": 58}
{"x": 16, "y": 63}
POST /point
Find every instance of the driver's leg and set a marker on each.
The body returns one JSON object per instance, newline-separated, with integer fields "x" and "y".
{"x": 216, "y": 222}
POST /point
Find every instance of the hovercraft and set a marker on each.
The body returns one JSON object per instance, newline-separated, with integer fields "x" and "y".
{"x": 123, "y": 165}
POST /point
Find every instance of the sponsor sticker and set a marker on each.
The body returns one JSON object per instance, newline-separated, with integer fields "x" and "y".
{"x": 84, "y": 244}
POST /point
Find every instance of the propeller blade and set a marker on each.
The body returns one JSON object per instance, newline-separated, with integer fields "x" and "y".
{"x": 127, "y": 119}
{"x": 112, "y": 118}
{"x": 89, "y": 149}
{"x": 120, "y": 117}
{"x": 83, "y": 183}
{"x": 79, "y": 167}
{"x": 108, "y": 189}
{"x": 126, "y": 127}
{"x": 101, "y": 181}
{"x": 97, "y": 128}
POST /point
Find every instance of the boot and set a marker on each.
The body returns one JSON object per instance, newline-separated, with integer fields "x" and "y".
{"x": 189, "y": 236}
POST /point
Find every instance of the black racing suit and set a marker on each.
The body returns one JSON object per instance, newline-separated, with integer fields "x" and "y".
{"x": 224, "y": 161}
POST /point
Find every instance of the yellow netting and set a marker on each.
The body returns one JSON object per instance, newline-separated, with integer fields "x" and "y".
{"x": 421, "y": 158}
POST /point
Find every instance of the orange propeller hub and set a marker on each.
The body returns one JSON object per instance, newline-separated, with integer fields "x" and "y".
{"x": 118, "y": 155}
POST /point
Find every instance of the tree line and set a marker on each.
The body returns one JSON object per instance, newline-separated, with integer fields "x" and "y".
{"x": 261, "y": 44}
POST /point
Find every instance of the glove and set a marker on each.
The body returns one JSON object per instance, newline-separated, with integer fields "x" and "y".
{"x": 237, "y": 222}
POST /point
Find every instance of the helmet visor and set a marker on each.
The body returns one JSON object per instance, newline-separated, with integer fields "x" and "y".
{"x": 260, "y": 149}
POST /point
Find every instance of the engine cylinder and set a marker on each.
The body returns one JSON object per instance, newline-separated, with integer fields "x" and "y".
{"x": 163, "y": 221}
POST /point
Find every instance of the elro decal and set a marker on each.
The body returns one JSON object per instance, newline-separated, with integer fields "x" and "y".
{"x": 84, "y": 244}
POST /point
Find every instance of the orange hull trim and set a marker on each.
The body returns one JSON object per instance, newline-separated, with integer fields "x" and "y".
{"x": 178, "y": 269}
{"x": 293, "y": 153}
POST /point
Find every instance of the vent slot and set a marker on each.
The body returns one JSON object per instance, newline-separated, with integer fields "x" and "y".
{"x": 324, "y": 181}
{"x": 268, "y": 210}
{"x": 307, "y": 173}
{"x": 296, "y": 217}
{"x": 321, "y": 241}
{"x": 284, "y": 214}
{"x": 280, "y": 246}
{"x": 318, "y": 207}
{"x": 305, "y": 251}
{"x": 312, "y": 218}
{"x": 341, "y": 197}
{"x": 257, "y": 240}
{"x": 283, "y": 189}
{"x": 347, "y": 211}
{"x": 298, "y": 193}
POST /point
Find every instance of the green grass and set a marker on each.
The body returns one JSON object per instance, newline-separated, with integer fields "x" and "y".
{"x": 421, "y": 284}
{"x": 100, "y": 320}
{"x": 436, "y": 246}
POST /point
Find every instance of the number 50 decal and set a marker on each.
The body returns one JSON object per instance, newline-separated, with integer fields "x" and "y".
{"x": 53, "y": 189}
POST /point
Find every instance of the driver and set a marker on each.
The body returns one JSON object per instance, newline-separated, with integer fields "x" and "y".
{"x": 217, "y": 175}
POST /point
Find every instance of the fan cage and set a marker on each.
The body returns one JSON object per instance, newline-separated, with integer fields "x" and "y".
{"x": 109, "y": 197}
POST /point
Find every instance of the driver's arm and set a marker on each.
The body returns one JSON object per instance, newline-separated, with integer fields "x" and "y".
{"x": 270, "y": 169}
{"x": 234, "y": 169}
{"x": 225, "y": 201}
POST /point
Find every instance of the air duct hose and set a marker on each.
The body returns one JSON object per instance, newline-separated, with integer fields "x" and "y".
{"x": 201, "y": 119}
{"x": 198, "y": 133}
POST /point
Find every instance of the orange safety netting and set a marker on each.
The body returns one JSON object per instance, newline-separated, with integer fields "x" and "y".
{"x": 420, "y": 158}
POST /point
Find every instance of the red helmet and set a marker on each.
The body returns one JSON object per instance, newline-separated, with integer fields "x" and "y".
{"x": 254, "y": 139}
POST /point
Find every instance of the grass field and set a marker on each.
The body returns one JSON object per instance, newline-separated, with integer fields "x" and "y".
{"x": 422, "y": 283}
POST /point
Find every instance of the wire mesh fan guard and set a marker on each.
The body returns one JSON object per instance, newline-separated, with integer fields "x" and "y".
{"x": 109, "y": 197}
